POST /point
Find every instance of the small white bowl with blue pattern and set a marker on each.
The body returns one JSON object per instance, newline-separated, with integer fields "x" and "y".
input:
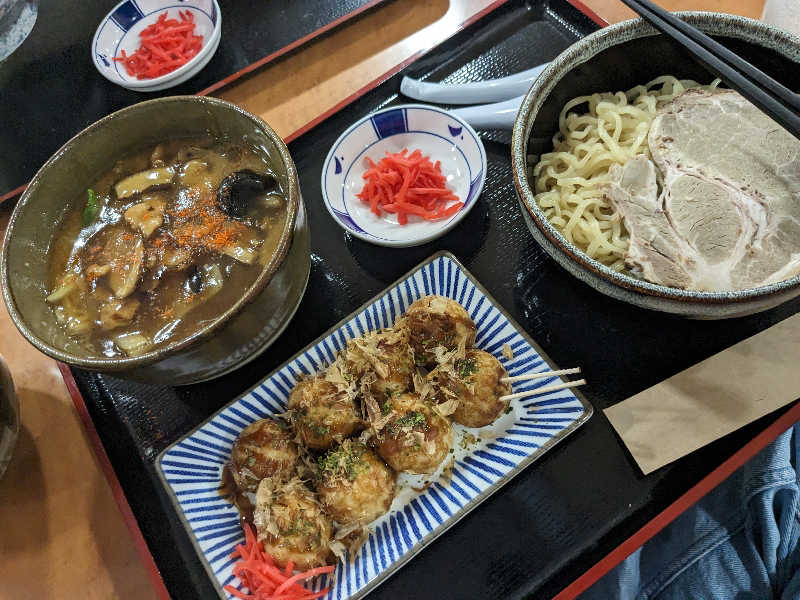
{"x": 483, "y": 460}
{"x": 437, "y": 133}
{"x": 119, "y": 30}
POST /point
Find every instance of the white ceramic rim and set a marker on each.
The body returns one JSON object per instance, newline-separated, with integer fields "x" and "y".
{"x": 419, "y": 240}
{"x": 213, "y": 45}
{"x": 167, "y": 80}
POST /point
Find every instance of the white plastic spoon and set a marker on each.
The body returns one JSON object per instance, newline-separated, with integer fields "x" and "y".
{"x": 500, "y": 115}
{"x": 491, "y": 90}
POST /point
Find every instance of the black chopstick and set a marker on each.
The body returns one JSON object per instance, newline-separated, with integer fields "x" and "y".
{"x": 772, "y": 98}
{"x": 789, "y": 98}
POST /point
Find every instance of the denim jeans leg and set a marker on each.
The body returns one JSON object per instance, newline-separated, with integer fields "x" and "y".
{"x": 740, "y": 541}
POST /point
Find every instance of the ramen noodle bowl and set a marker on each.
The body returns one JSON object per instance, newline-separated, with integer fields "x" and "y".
{"x": 570, "y": 181}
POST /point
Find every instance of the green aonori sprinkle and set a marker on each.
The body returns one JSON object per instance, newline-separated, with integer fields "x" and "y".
{"x": 466, "y": 367}
{"x": 411, "y": 419}
{"x": 321, "y": 430}
{"x": 299, "y": 526}
{"x": 91, "y": 210}
{"x": 345, "y": 461}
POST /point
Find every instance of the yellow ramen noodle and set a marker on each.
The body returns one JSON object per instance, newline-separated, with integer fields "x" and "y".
{"x": 570, "y": 180}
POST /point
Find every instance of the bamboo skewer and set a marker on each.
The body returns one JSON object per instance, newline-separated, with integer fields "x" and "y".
{"x": 541, "y": 375}
{"x": 544, "y": 390}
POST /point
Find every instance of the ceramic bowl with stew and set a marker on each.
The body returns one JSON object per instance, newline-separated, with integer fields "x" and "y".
{"x": 620, "y": 57}
{"x": 219, "y": 345}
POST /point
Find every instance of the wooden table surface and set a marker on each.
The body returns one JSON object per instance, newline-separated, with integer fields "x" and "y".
{"x": 62, "y": 535}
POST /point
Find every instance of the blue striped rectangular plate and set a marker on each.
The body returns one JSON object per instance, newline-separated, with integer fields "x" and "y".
{"x": 191, "y": 468}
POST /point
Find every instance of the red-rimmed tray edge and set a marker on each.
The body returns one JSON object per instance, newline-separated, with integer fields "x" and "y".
{"x": 600, "y": 21}
{"x": 253, "y": 66}
{"x": 376, "y": 82}
{"x": 594, "y": 573}
{"x": 296, "y": 44}
{"x": 679, "y": 506}
{"x": 116, "y": 489}
{"x": 324, "y": 29}
{"x": 72, "y": 387}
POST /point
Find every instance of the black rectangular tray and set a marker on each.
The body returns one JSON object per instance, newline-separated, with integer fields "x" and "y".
{"x": 583, "y": 498}
{"x": 50, "y": 89}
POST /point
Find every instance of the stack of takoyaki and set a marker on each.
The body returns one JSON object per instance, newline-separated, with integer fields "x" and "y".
{"x": 380, "y": 408}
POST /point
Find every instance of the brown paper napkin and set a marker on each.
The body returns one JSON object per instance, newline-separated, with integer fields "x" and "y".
{"x": 712, "y": 398}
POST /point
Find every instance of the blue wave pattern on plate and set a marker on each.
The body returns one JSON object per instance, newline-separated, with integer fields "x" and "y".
{"x": 126, "y": 15}
{"x": 192, "y": 467}
{"x": 389, "y": 123}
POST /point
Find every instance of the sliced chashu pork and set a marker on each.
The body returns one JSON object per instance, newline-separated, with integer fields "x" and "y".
{"x": 727, "y": 215}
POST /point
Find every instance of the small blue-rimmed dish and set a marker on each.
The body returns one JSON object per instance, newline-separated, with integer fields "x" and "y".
{"x": 438, "y": 134}
{"x": 119, "y": 30}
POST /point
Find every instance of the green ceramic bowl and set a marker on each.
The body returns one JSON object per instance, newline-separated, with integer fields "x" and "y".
{"x": 617, "y": 58}
{"x": 238, "y": 335}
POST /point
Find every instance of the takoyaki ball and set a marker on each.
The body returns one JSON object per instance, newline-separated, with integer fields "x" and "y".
{"x": 437, "y": 321}
{"x": 292, "y": 525}
{"x": 416, "y": 439}
{"x": 475, "y": 383}
{"x": 385, "y": 357}
{"x": 263, "y": 449}
{"x": 353, "y": 484}
{"x": 322, "y": 413}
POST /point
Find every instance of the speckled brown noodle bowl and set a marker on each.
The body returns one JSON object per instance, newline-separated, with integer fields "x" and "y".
{"x": 235, "y": 337}
{"x": 618, "y": 58}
